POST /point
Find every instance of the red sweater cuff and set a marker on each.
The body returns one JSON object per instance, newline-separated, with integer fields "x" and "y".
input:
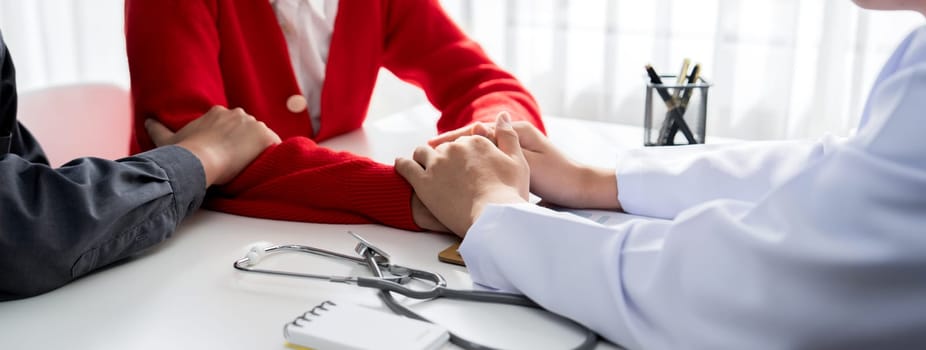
{"x": 297, "y": 180}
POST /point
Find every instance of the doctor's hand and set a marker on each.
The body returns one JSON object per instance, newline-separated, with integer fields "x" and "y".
{"x": 458, "y": 179}
{"x": 484, "y": 129}
{"x": 474, "y": 129}
{"x": 225, "y": 141}
{"x": 559, "y": 180}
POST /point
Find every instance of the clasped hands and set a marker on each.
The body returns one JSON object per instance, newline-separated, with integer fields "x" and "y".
{"x": 462, "y": 171}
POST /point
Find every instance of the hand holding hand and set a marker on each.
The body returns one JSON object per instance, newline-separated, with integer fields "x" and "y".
{"x": 554, "y": 177}
{"x": 559, "y": 180}
{"x": 225, "y": 141}
{"x": 474, "y": 129}
{"x": 457, "y": 179}
{"x": 423, "y": 217}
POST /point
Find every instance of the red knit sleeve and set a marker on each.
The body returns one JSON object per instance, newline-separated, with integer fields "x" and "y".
{"x": 423, "y": 46}
{"x": 173, "y": 49}
{"x": 300, "y": 181}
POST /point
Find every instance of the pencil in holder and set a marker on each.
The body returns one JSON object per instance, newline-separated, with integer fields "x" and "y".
{"x": 677, "y": 114}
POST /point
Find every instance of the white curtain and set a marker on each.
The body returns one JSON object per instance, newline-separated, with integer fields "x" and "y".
{"x": 780, "y": 68}
{"x": 62, "y": 42}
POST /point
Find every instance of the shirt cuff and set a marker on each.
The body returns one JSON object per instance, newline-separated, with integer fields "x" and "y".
{"x": 185, "y": 174}
{"x": 647, "y": 179}
{"x": 475, "y": 247}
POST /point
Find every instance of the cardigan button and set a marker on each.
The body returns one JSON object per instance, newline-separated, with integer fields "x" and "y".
{"x": 296, "y": 103}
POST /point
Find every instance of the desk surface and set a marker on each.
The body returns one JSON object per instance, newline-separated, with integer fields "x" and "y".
{"x": 184, "y": 293}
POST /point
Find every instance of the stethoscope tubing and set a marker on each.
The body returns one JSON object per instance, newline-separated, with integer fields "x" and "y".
{"x": 376, "y": 261}
{"x": 443, "y": 292}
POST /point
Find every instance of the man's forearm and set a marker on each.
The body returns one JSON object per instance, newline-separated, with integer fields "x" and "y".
{"x": 63, "y": 223}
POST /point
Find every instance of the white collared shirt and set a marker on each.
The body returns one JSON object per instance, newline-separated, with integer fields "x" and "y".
{"x": 307, "y": 26}
{"x": 776, "y": 245}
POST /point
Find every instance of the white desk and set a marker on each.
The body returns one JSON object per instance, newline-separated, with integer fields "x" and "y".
{"x": 184, "y": 294}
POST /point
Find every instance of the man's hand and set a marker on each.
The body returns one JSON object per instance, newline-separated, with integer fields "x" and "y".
{"x": 457, "y": 179}
{"x": 225, "y": 141}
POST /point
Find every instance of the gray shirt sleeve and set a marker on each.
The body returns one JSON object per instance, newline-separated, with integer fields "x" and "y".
{"x": 59, "y": 224}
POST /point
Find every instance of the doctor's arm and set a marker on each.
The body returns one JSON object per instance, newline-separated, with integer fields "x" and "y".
{"x": 663, "y": 181}
{"x": 824, "y": 261}
{"x": 828, "y": 258}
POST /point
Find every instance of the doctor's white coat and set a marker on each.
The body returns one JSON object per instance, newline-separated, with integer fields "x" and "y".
{"x": 771, "y": 245}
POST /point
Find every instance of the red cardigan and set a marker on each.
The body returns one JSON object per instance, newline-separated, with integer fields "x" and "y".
{"x": 188, "y": 55}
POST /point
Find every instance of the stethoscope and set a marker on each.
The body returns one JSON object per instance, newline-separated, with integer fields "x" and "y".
{"x": 378, "y": 262}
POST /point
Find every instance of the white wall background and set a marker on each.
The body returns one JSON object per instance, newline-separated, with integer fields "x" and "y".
{"x": 780, "y": 68}
{"x": 58, "y": 42}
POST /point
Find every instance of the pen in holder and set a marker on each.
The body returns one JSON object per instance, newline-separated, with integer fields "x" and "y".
{"x": 675, "y": 114}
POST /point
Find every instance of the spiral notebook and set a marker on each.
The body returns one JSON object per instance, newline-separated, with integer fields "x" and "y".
{"x": 344, "y": 326}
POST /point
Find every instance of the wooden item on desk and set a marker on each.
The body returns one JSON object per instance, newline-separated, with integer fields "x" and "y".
{"x": 451, "y": 255}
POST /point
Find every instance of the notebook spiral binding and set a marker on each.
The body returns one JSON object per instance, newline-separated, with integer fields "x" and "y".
{"x": 323, "y": 306}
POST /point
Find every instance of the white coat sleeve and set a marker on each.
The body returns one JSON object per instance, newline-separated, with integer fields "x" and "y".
{"x": 662, "y": 181}
{"x": 832, "y": 257}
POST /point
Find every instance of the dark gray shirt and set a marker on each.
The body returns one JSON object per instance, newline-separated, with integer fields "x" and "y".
{"x": 59, "y": 224}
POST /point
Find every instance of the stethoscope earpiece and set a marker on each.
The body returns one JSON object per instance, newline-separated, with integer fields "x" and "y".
{"x": 256, "y": 253}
